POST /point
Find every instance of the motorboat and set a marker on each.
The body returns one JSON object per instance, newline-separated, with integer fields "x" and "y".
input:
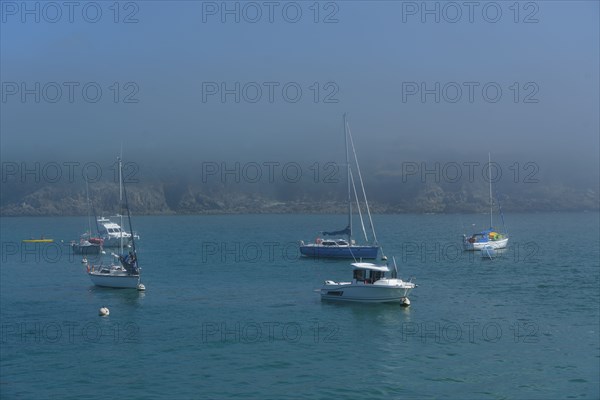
{"x": 111, "y": 232}
{"x": 369, "y": 284}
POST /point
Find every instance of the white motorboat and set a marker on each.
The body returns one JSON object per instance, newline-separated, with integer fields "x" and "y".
{"x": 111, "y": 233}
{"x": 369, "y": 285}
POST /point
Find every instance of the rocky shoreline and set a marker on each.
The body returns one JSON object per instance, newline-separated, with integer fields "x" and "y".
{"x": 163, "y": 199}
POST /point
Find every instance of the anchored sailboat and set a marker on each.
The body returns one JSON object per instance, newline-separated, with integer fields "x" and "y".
{"x": 340, "y": 247}
{"x": 125, "y": 274}
{"x": 490, "y": 239}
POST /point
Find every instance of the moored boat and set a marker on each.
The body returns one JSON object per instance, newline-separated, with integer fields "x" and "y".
{"x": 369, "y": 284}
{"x": 111, "y": 233}
{"x": 490, "y": 237}
{"x": 338, "y": 248}
{"x": 125, "y": 274}
{"x": 346, "y": 248}
{"x": 86, "y": 247}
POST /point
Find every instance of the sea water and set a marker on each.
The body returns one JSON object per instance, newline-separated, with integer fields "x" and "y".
{"x": 231, "y": 311}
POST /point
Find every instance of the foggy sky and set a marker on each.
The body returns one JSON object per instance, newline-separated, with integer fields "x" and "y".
{"x": 366, "y": 62}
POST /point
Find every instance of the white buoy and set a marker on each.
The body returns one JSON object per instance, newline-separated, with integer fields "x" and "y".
{"x": 141, "y": 287}
{"x": 84, "y": 260}
{"x": 103, "y": 312}
{"x": 405, "y": 302}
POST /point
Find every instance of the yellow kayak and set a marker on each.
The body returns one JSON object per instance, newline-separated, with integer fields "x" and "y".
{"x": 38, "y": 240}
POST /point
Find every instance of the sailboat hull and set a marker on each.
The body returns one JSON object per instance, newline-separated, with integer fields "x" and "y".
{"x": 115, "y": 281}
{"x": 494, "y": 244}
{"x": 354, "y": 252}
{"x": 86, "y": 249}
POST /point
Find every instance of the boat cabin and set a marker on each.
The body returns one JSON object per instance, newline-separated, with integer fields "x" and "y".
{"x": 111, "y": 228}
{"x": 333, "y": 243}
{"x": 368, "y": 273}
{"x": 485, "y": 236}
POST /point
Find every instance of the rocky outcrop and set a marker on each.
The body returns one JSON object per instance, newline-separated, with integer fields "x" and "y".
{"x": 185, "y": 198}
{"x": 54, "y": 200}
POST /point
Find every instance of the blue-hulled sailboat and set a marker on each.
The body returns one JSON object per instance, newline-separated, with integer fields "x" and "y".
{"x": 346, "y": 247}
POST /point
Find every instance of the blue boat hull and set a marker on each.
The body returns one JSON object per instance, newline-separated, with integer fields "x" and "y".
{"x": 357, "y": 252}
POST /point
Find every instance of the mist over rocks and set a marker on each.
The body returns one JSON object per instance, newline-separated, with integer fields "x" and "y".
{"x": 190, "y": 198}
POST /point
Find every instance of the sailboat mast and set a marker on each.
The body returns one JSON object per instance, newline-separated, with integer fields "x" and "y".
{"x": 129, "y": 220}
{"x": 362, "y": 187}
{"x": 349, "y": 199}
{"x": 121, "y": 204}
{"x": 96, "y": 219}
{"x": 490, "y": 181}
{"x": 87, "y": 197}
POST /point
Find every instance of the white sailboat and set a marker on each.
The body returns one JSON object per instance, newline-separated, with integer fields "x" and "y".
{"x": 127, "y": 272}
{"x": 369, "y": 285}
{"x": 340, "y": 247}
{"x": 490, "y": 238}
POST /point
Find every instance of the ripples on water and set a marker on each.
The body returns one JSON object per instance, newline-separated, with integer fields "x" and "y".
{"x": 524, "y": 325}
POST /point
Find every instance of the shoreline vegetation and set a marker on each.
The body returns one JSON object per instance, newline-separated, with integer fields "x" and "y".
{"x": 163, "y": 199}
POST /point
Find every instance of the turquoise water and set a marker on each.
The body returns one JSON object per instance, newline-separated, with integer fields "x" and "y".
{"x": 230, "y": 312}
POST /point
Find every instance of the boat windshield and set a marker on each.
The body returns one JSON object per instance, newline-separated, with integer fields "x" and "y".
{"x": 368, "y": 276}
{"x": 359, "y": 274}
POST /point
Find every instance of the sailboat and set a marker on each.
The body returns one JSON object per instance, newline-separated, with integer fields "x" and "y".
{"x": 125, "y": 274}
{"x": 489, "y": 239}
{"x": 340, "y": 247}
